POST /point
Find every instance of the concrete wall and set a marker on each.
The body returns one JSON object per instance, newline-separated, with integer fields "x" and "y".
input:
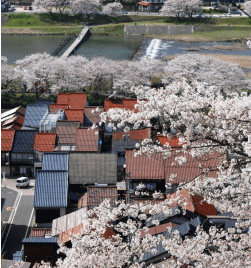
{"x": 159, "y": 29}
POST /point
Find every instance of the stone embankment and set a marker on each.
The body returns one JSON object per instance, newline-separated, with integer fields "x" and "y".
{"x": 161, "y": 29}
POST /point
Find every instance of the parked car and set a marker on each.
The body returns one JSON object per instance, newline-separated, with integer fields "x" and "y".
{"x": 124, "y": 12}
{"x": 30, "y": 8}
{"x": 22, "y": 182}
{"x": 198, "y": 15}
{"x": 12, "y": 8}
{"x": 25, "y": 8}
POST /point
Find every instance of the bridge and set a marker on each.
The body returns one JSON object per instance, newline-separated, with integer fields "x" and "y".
{"x": 76, "y": 43}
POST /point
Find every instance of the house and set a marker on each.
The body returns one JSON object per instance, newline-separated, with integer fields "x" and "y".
{"x": 7, "y": 138}
{"x": 34, "y": 115}
{"x": 88, "y": 169}
{"x": 91, "y": 116}
{"x": 75, "y": 115}
{"x": 44, "y": 142}
{"x": 95, "y": 195}
{"x": 74, "y": 100}
{"x": 13, "y": 119}
{"x": 87, "y": 140}
{"x": 55, "y": 107}
{"x": 37, "y": 249}
{"x": 151, "y": 5}
{"x": 122, "y": 141}
{"x": 51, "y": 196}
{"x": 55, "y": 161}
{"x": 156, "y": 171}
{"x": 43, "y": 102}
{"x": 22, "y": 155}
{"x": 66, "y": 135}
{"x": 49, "y": 122}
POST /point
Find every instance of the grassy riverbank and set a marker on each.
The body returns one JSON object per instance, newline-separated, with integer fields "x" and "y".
{"x": 211, "y": 29}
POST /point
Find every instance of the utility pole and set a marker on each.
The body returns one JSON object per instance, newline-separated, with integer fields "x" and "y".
{"x": 128, "y": 175}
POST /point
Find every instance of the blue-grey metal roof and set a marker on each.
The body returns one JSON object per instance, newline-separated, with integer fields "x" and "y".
{"x": 51, "y": 189}
{"x": 18, "y": 256}
{"x": 228, "y": 223}
{"x": 34, "y": 115}
{"x": 43, "y": 102}
{"x": 55, "y": 161}
{"x": 24, "y": 141}
{"x": 40, "y": 240}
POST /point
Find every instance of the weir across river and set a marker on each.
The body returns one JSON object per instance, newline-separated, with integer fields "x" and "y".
{"x": 76, "y": 43}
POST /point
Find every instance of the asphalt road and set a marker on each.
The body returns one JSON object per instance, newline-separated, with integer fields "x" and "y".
{"x": 18, "y": 228}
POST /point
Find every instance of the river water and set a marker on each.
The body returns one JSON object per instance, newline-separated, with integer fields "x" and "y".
{"x": 16, "y": 47}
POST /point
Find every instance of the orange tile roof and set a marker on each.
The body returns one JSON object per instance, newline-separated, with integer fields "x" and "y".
{"x": 137, "y": 134}
{"x": 75, "y": 115}
{"x": 73, "y": 100}
{"x": 55, "y": 107}
{"x": 145, "y": 4}
{"x": 194, "y": 203}
{"x": 7, "y": 138}
{"x": 158, "y": 229}
{"x": 174, "y": 142}
{"x": 45, "y": 142}
{"x": 120, "y": 103}
{"x": 86, "y": 140}
{"x": 142, "y": 167}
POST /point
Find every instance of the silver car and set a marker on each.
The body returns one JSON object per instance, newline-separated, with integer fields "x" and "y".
{"x": 22, "y": 182}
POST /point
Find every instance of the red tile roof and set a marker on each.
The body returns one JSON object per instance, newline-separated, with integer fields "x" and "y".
{"x": 7, "y": 138}
{"x": 39, "y": 232}
{"x": 74, "y": 100}
{"x": 86, "y": 140}
{"x": 158, "y": 229}
{"x": 67, "y": 132}
{"x": 45, "y": 142}
{"x": 145, "y": 4}
{"x": 142, "y": 167}
{"x": 55, "y": 107}
{"x": 15, "y": 122}
{"x": 97, "y": 194}
{"x": 139, "y": 134}
{"x": 93, "y": 117}
{"x": 174, "y": 142}
{"x": 120, "y": 103}
{"x": 75, "y": 115}
{"x": 194, "y": 203}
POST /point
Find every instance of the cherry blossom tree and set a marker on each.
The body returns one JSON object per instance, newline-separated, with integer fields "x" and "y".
{"x": 247, "y": 6}
{"x": 60, "y": 5}
{"x": 225, "y": 76}
{"x": 112, "y": 9}
{"x": 85, "y": 7}
{"x": 180, "y": 8}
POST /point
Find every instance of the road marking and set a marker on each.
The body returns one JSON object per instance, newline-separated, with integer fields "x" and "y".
{"x": 12, "y": 216}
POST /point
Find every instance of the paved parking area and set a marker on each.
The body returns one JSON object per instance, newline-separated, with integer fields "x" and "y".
{"x": 11, "y": 184}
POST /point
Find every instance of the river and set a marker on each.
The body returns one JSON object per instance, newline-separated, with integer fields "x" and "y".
{"x": 16, "y": 47}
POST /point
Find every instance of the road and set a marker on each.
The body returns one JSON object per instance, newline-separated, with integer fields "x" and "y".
{"x": 20, "y": 217}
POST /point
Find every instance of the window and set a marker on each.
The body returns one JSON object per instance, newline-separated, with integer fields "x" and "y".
{"x": 13, "y": 157}
{"x": 22, "y": 170}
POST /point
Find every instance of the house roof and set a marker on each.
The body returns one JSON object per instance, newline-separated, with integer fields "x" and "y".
{"x": 75, "y": 115}
{"x": 91, "y": 117}
{"x": 74, "y": 100}
{"x": 24, "y": 141}
{"x": 51, "y": 189}
{"x": 137, "y": 134}
{"x": 39, "y": 232}
{"x": 14, "y": 122}
{"x": 97, "y": 194}
{"x": 67, "y": 132}
{"x": 158, "y": 229}
{"x": 145, "y": 4}
{"x": 45, "y": 142}
{"x": 10, "y": 113}
{"x": 194, "y": 203}
{"x": 120, "y": 103}
{"x": 34, "y": 115}
{"x": 40, "y": 240}
{"x": 55, "y": 107}
{"x": 87, "y": 140}
{"x": 7, "y": 138}
{"x": 174, "y": 142}
{"x": 55, "y": 161}
{"x": 88, "y": 168}
{"x": 68, "y": 221}
{"x": 144, "y": 167}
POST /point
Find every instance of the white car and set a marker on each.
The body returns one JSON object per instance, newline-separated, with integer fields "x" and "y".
{"x": 22, "y": 182}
